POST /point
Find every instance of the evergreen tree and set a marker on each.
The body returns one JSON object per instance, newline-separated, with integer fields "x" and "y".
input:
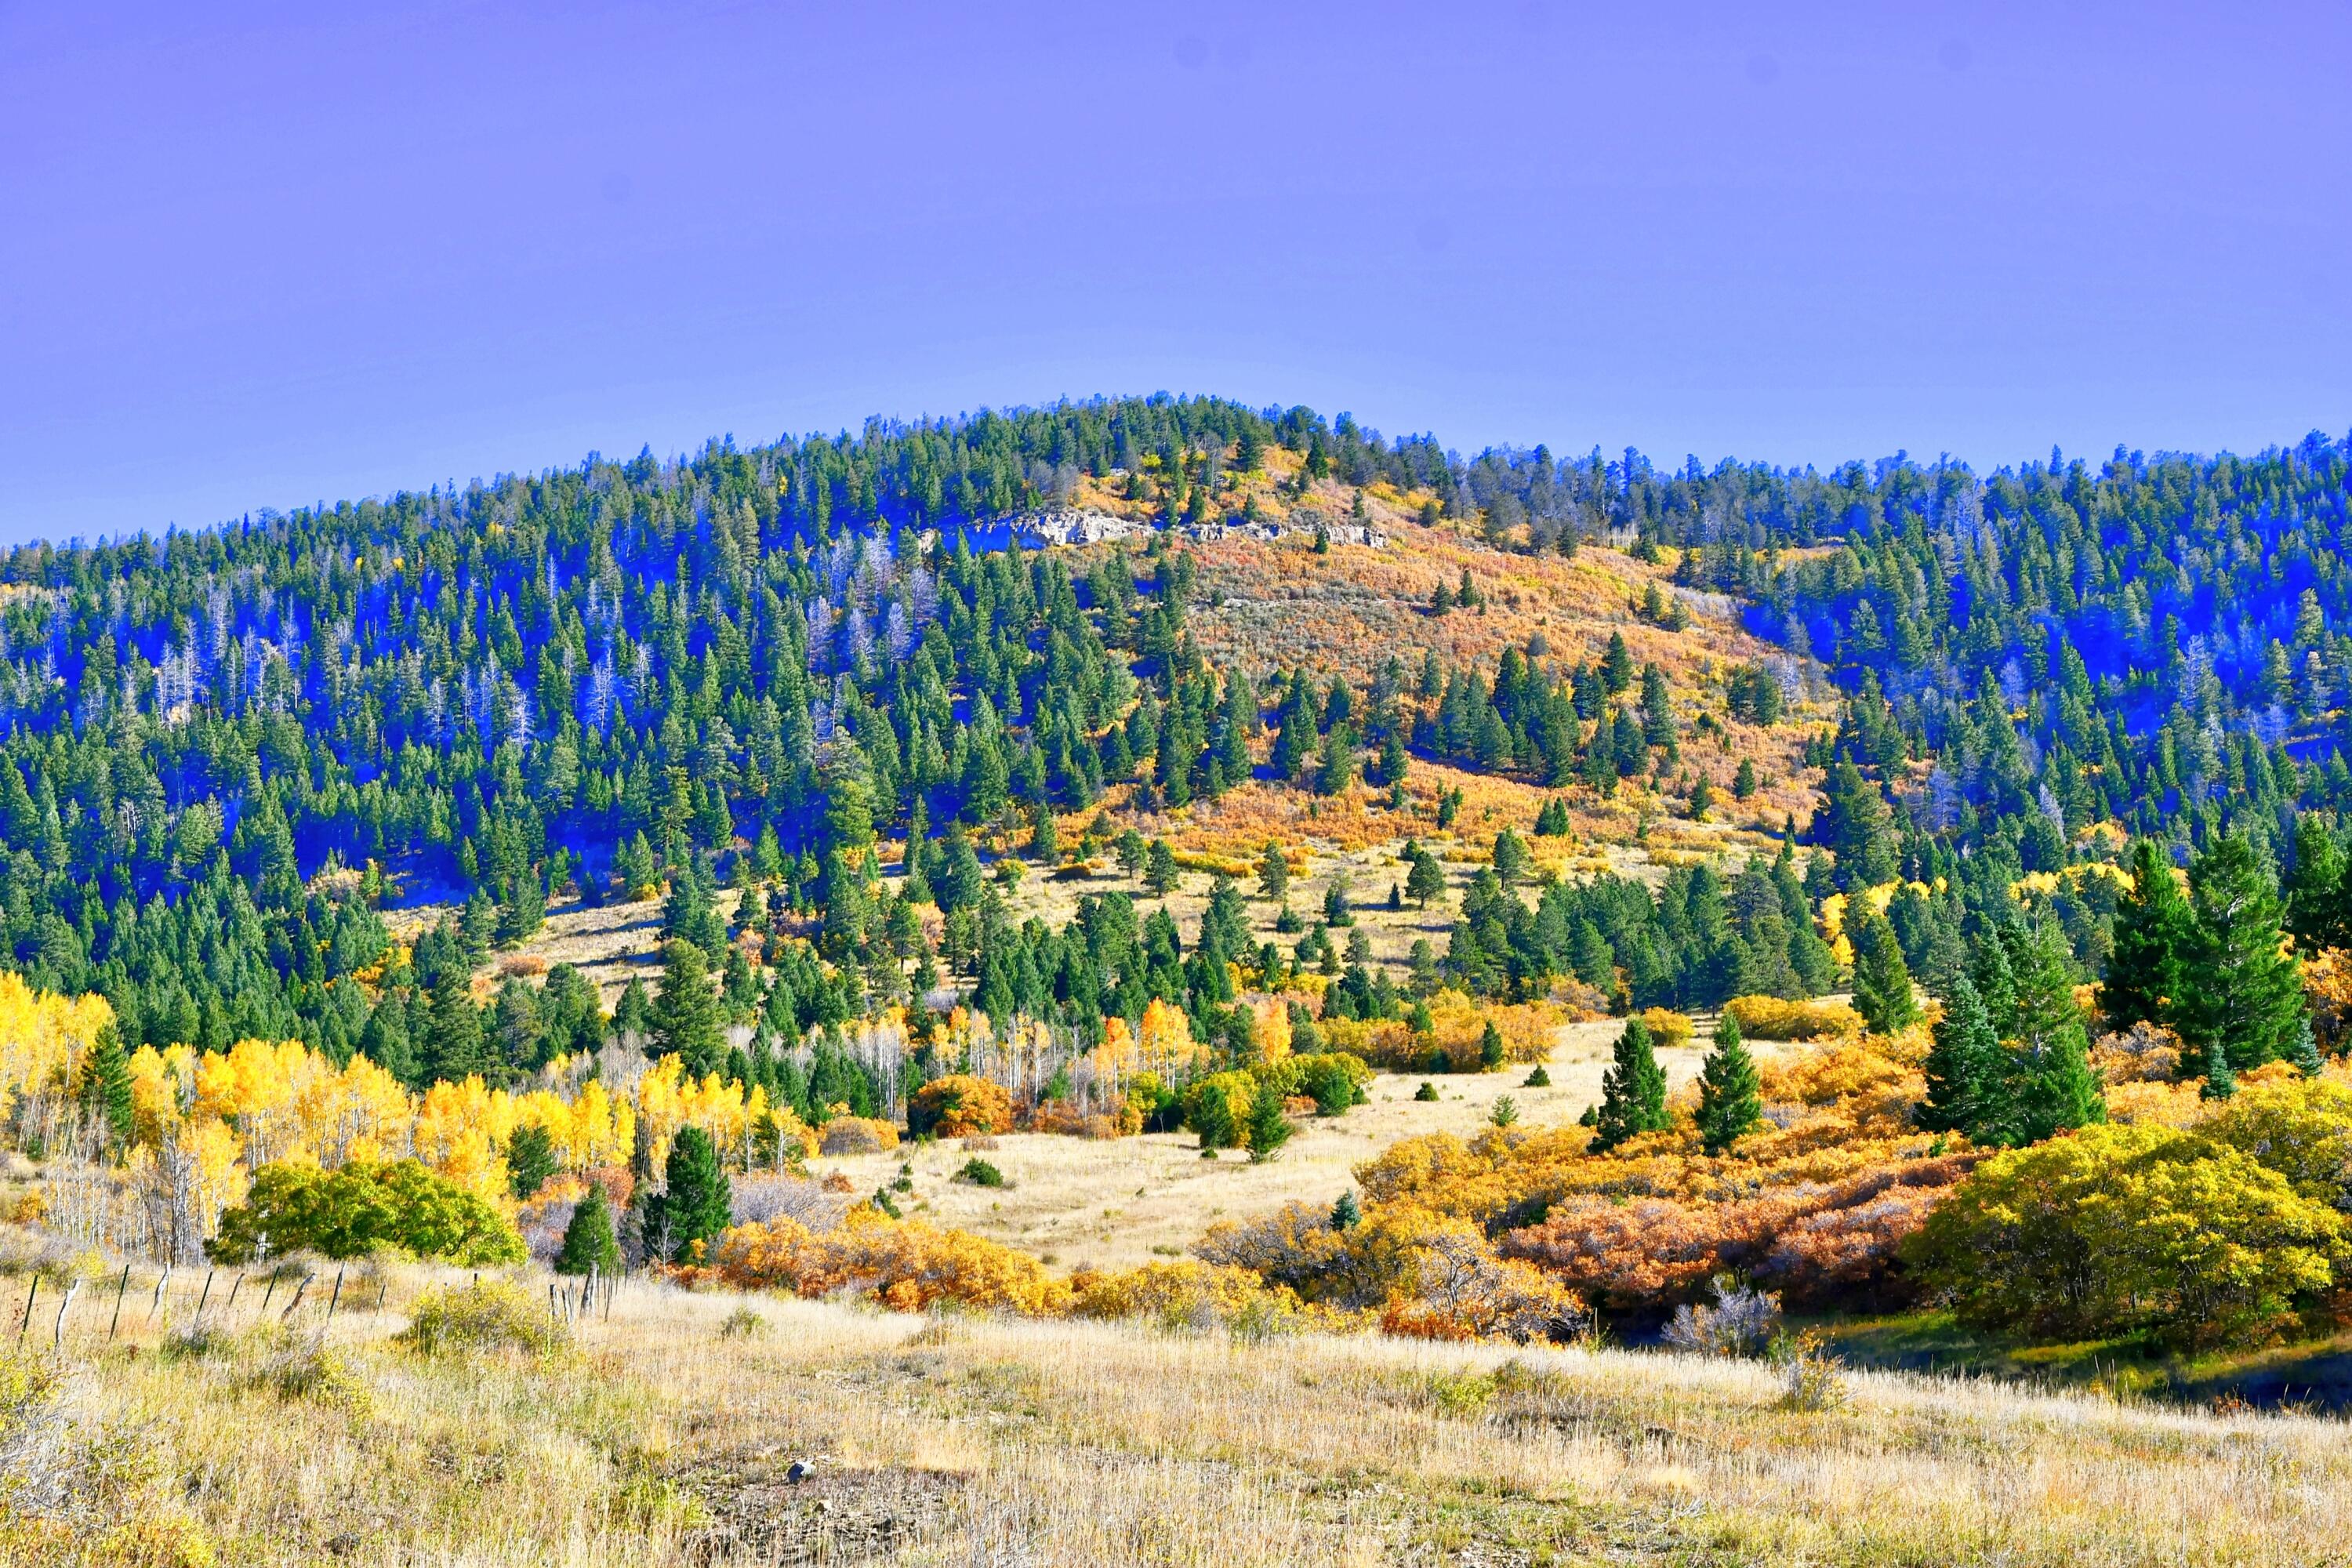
{"x": 1347, "y": 1213}
{"x": 2316, "y": 894}
{"x": 453, "y": 1045}
{"x": 1269, "y": 1128}
{"x": 1490, "y": 1048}
{"x": 696, "y": 1204}
{"x": 633, "y": 1014}
{"x": 1424, "y": 876}
{"x": 1882, "y": 981}
{"x": 1966, "y": 1071}
{"x": 2151, "y": 927}
{"x": 588, "y": 1241}
{"x": 684, "y": 1019}
{"x": 103, "y": 1090}
{"x": 2241, "y": 996}
{"x": 1273, "y": 873}
{"x": 1160, "y": 869}
{"x": 531, "y": 1160}
{"x": 1730, "y": 1101}
{"x": 2052, "y": 1086}
{"x": 1633, "y": 1091}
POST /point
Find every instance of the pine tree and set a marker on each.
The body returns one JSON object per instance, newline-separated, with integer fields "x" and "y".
{"x": 684, "y": 1019}
{"x": 1160, "y": 868}
{"x": 1490, "y": 1048}
{"x": 1882, "y": 981}
{"x": 1269, "y": 1128}
{"x": 2241, "y": 996}
{"x": 696, "y": 1204}
{"x": 1273, "y": 873}
{"x": 1633, "y": 1091}
{"x": 453, "y": 1045}
{"x": 588, "y": 1241}
{"x": 531, "y": 1160}
{"x": 2315, "y": 893}
{"x": 2053, "y": 1085}
{"x": 1966, "y": 1090}
{"x": 1730, "y": 1102}
{"x": 2152, "y": 926}
{"x": 104, "y": 1090}
{"x": 1424, "y": 876}
{"x": 1347, "y": 1213}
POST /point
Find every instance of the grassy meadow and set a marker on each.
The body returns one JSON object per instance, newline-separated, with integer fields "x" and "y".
{"x": 666, "y": 1434}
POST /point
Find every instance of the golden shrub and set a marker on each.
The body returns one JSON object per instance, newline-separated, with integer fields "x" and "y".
{"x": 857, "y": 1135}
{"x": 1772, "y": 1018}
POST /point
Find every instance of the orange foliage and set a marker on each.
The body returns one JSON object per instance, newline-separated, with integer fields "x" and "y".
{"x": 905, "y": 1265}
{"x": 959, "y": 1106}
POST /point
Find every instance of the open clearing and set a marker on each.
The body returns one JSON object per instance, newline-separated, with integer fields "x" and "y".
{"x": 667, "y": 1439}
{"x": 1120, "y": 1202}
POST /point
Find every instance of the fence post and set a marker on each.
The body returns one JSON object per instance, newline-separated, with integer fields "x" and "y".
{"x": 332, "y": 1300}
{"x": 27, "y": 1321}
{"x": 204, "y": 1296}
{"x": 119, "y": 1289}
{"x": 58, "y": 1336}
{"x": 296, "y": 1301}
{"x": 162, "y": 1282}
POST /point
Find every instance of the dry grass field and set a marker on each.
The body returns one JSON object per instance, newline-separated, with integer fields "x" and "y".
{"x": 666, "y": 1435}
{"x": 1115, "y": 1202}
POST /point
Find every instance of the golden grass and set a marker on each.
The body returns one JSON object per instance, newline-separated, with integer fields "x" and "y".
{"x": 1115, "y": 1202}
{"x": 664, "y": 1439}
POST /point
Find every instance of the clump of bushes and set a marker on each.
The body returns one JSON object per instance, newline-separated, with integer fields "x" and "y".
{"x": 487, "y": 1315}
{"x": 959, "y": 1106}
{"x": 977, "y": 1171}
{"x": 857, "y": 1135}
{"x": 1771, "y": 1018}
{"x": 362, "y": 1209}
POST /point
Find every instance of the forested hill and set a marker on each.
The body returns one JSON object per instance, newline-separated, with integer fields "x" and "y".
{"x": 756, "y": 665}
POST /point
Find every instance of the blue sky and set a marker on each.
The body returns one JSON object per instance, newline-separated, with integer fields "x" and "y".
{"x": 264, "y": 255}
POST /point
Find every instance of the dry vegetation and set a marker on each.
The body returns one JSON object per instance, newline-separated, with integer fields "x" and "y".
{"x": 666, "y": 1435}
{"x": 1121, "y": 1201}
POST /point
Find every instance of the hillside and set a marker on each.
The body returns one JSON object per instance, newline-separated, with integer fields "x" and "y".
{"x": 663, "y": 1433}
{"x": 1185, "y": 882}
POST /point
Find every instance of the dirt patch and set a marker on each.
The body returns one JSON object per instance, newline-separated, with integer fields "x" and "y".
{"x": 757, "y": 1514}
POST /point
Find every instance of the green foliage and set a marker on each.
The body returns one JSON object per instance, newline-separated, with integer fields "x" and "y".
{"x": 1729, "y": 1102}
{"x": 2121, "y": 1229}
{"x": 1882, "y": 980}
{"x": 684, "y": 1019}
{"x": 482, "y": 1316}
{"x": 1426, "y": 1093}
{"x": 1633, "y": 1091}
{"x": 589, "y": 1244}
{"x": 977, "y": 1171}
{"x": 362, "y": 1209}
{"x": 1269, "y": 1128}
{"x": 102, "y": 1088}
{"x": 2151, "y": 929}
{"x": 1220, "y": 1108}
{"x": 531, "y": 1159}
{"x": 2241, "y": 996}
{"x": 695, "y": 1205}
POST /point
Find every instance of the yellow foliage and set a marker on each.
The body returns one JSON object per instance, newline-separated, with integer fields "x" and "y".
{"x": 906, "y": 1265}
{"x": 43, "y": 1036}
{"x": 1666, "y": 1026}
{"x": 1771, "y": 1018}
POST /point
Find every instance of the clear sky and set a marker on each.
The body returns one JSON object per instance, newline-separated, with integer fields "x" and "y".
{"x": 261, "y": 255}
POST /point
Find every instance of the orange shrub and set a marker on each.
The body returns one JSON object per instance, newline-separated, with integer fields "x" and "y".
{"x": 905, "y": 1265}
{"x": 959, "y": 1106}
